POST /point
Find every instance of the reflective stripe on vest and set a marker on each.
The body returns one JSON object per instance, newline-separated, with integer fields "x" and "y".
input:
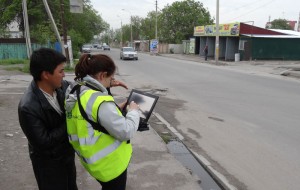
{"x": 103, "y": 156}
{"x": 91, "y": 138}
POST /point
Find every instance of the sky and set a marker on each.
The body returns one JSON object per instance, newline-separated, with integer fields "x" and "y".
{"x": 256, "y": 12}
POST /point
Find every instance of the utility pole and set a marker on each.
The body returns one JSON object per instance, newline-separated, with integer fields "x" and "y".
{"x": 298, "y": 30}
{"x": 54, "y": 26}
{"x": 156, "y": 20}
{"x": 65, "y": 47}
{"x": 121, "y": 34}
{"x": 217, "y": 34}
{"x": 26, "y": 28}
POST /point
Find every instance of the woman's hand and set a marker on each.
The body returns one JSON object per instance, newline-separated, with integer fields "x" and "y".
{"x": 121, "y": 105}
{"x": 118, "y": 83}
{"x": 133, "y": 106}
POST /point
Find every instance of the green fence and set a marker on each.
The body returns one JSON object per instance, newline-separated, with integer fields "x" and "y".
{"x": 18, "y": 50}
{"x": 276, "y": 48}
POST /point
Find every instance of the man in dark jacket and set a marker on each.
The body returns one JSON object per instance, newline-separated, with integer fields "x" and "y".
{"x": 205, "y": 52}
{"x": 42, "y": 119}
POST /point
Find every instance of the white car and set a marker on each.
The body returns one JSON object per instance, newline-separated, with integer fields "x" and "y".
{"x": 128, "y": 53}
{"x": 87, "y": 48}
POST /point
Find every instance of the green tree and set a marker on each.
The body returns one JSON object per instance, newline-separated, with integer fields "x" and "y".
{"x": 148, "y": 25}
{"x": 280, "y": 24}
{"x": 177, "y": 21}
{"x": 126, "y": 33}
{"x": 81, "y": 27}
{"x": 136, "y": 27}
{"x": 3, "y": 32}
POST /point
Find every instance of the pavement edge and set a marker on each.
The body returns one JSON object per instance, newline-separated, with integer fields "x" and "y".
{"x": 218, "y": 177}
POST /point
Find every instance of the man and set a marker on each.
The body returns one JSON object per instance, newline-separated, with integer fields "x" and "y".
{"x": 205, "y": 52}
{"x": 43, "y": 121}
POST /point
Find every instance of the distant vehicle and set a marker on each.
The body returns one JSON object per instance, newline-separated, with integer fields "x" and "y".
{"x": 96, "y": 46}
{"x": 128, "y": 53}
{"x": 106, "y": 47}
{"x": 87, "y": 48}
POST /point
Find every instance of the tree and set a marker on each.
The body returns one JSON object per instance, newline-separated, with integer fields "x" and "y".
{"x": 280, "y": 24}
{"x": 81, "y": 27}
{"x": 148, "y": 26}
{"x": 126, "y": 33}
{"x": 177, "y": 21}
{"x": 3, "y": 32}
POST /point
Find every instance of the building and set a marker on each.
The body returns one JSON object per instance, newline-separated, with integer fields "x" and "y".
{"x": 14, "y": 31}
{"x": 247, "y": 41}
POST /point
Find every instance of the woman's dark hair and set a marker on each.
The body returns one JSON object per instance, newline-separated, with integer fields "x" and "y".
{"x": 92, "y": 64}
{"x": 44, "y": 59}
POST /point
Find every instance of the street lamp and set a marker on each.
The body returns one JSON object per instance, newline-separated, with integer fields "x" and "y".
{"x": 121, "y": 31}
{"x": 130, "y": 26}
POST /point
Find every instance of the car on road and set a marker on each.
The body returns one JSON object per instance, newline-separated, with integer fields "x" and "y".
{"x": 97, "y": 46}
{"x": 128, "y": 53}
{"x": 106, "y": 47}
{"x": 87, "y": 48}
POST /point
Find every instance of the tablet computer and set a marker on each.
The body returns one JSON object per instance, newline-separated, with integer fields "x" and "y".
{"x": 145, "y": 101}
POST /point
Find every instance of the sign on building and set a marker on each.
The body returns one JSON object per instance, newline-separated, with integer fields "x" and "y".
{"x": 231, "y": 29}
{"x": 76, "y": 6}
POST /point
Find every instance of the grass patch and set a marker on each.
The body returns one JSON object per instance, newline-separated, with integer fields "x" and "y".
{"x": 20, "y": 67}
{"x": 26, "y": 68}
{"x": 24, "y": 65}
{"x": 166, "y": 137}
{"x": 14, "y": 69}
{"x": 13, "y": 61}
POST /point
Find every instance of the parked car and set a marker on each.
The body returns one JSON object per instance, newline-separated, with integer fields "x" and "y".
{"x": 106, "y": 47}
{"x": 96, "y": 46}
{"x": 87, "y": 48}
{"x": 128, "y": 53}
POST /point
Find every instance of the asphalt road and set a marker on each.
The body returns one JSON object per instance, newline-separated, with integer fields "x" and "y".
{"x": 246, "y": 125}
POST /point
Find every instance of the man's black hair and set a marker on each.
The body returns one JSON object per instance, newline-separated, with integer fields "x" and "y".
{"x": 44, "y": 59}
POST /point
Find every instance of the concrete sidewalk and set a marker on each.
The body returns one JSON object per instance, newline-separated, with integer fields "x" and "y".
{"x": 152, "y": 168}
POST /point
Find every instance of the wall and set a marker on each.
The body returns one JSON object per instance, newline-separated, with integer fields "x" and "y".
{"x": 276, "y": 48}
{"x": 232, "y": 47}
{"x": 163, "y": 48}
{"x": 222, "y": 47}
{"x": 176, "y": 48}
{"x": 15, "y": 48}
{"x": 203, "y": 41}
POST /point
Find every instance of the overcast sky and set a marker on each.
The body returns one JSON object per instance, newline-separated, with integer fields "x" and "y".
{"x": 230, "y": 11}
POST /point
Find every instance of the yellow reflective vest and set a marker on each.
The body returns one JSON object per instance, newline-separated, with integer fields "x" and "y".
{"x": 103, "y": 156}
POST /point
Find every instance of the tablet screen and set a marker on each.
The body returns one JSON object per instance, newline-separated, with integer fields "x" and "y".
{"x": 145, "y": 101}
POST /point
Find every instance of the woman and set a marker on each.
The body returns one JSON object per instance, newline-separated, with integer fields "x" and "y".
{"x": 97, "y": 130}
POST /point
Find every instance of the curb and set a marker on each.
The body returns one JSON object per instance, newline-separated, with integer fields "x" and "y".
{"x": 218, "y": 177}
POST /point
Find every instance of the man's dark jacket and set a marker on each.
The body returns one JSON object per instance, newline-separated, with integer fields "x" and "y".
{"x": 44, "y": 128}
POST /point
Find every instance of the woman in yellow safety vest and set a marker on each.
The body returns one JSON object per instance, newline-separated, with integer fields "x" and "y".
{"x": 97, "y": 130}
